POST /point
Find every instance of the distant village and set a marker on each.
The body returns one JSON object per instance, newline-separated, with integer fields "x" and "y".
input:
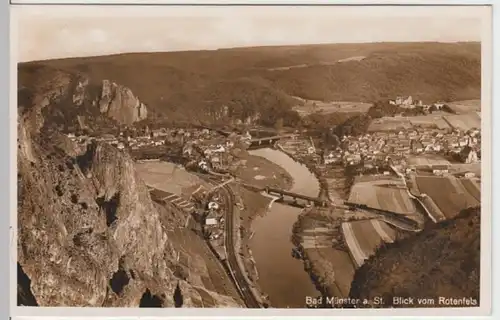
{"x": 378, "y": 148}
{"x": 212, "y": 151}
{"x": 210, "y": 148}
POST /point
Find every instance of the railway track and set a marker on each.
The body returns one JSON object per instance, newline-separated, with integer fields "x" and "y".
{"x": 235, "y": 271}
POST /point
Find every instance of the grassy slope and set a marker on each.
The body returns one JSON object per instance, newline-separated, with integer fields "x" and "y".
{"x": 180, "y": 84}
{"x": 440, "y": 261}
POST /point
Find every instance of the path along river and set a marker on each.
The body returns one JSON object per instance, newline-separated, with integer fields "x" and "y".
{"x": 281, "y": 276}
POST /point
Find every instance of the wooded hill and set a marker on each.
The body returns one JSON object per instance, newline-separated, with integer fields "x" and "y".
{"x": 244, "y": 84}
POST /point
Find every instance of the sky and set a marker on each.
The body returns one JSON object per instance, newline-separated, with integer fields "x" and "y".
{"x": 77, "y": 31}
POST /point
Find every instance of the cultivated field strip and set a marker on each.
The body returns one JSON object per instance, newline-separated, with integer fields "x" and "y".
{"x": 472, "y": 188}
{"x": 447, "y": 193}
{"x": 385, "y": 195}
{"x": 176, "y": 200}
{"x": 357, "y": 253}
{"x": 429, "y": 120}
{"x": 466, "y": 106}
{"x": 386, "y": 233}
{"x": 464, "y": 122}
{"x": 335, "y": 265}
{"x": 432, "y": 208}
{"x": 366, "y": 235}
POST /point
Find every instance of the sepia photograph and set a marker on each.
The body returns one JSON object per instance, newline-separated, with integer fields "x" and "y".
{"x": 306, "y": 157}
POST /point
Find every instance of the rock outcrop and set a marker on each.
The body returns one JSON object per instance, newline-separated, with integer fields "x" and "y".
{"x": 88, "y": 232}
{"x": 120, "y": 103}
{"x": 74, "y": 97}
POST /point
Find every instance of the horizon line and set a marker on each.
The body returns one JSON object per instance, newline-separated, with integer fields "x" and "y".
{"x": 250, "y": 47}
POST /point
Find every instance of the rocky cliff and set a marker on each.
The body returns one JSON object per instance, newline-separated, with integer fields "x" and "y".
{"x": 77, "y": 100}
{"x": 120, "y": 103}
{"x": 88, "y": 231}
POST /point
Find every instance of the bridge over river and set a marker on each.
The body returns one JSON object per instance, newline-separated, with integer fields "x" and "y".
{"x": 266, "y": 142}
{"x": 295, "y": 199}
{"x": 395, "y": 219}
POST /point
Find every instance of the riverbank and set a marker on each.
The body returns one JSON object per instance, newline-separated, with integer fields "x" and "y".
{"x": 259, "y": 171}
{"x": 282, "y": 277}
{"x": 311, "y": 165}
{"x": 317, "y": 235}
{"x": 326, "y": 258}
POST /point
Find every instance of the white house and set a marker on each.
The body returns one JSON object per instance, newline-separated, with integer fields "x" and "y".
{"x": 470, "y": 174}
{"x": 213, "y": 206}
{"x": 211, "y": 222}
{"x": 439, "y": 169}
{"x": 203, "y": 165}
{"x": 472, "y": 157}
{"x": 219, "y": 148}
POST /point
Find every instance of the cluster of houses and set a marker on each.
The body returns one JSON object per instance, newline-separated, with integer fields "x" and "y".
{"x": 214, "y": 219}
{"x": 410, "y": 103}
{"x": 210, "y": 149}
{"x": 380, "y": 145}
{"x": 214, "y": 154}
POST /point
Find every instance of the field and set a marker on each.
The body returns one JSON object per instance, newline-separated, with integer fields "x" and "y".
{"x": 390, "y": 124}
{"x": 167, "y": 176}
{"x": 387, "y": 194}
{"x": 326, "y": 255}
{"x": 465, "y": 106}
{"x": 426, "y": 161}
{"x": 472, "y": 187}
{"x": 448, "y": 193}
{"x": 429, "y": 121}
{"x": 325, "y": 107}
{"x": 466, "y": 167}
{"x": 364, "y": 237}
{"x": 261, "y": 172}
{"x": 464, "y": 122}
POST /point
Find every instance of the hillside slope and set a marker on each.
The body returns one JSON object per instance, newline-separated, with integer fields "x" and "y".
{"x": 199, "y": 85}
{"x": 443, "y": 261}
{"x": 88, "y": 232}
{"x": 70, "y": 100}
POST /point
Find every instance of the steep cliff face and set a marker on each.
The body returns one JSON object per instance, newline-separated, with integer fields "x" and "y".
{"x": 88, "y": 231}
{"x": 120, "y": 103}
{"x": 74, "y": 96}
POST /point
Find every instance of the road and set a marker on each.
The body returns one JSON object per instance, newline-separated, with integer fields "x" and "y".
{"x": 236, "y": 272}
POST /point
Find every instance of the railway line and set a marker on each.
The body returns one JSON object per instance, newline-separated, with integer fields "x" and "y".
{"x": 235, "y": 272}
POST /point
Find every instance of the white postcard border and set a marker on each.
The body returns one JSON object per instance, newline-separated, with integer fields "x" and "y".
{"x": 486, "y": 219}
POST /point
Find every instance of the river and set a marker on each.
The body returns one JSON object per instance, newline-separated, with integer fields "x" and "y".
{"x": 281, "y": 276}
